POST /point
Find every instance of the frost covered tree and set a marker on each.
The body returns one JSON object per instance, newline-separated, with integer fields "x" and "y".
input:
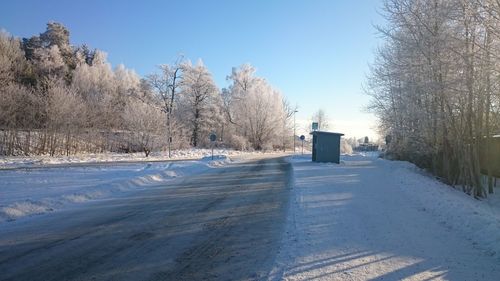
{"x": 57, "y": 35}
{"x": 433, "y": 86}
{"x": 51, "y": 47}
{"x": 254, "y": 108}
{"x": 60, "y": 99}
{"x": 96, "y": 84}
{"x": 142, "y": 123}
{"x": 65, "y": 113}
{"x": 12, "y": 61}
{"x": 20, "y": 111}
{"x": 50, "y": 65}
{"x": 200, "y": 102}
{"x": 20, "y": 106}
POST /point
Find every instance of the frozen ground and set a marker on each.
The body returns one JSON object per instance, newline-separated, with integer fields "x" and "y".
{"x": 372, "y": 219}
{"x": 34, "y": 191}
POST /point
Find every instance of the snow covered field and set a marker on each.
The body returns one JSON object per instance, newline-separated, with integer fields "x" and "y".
{"x": 373, "y": 219}
{"x": 30, "y": 191}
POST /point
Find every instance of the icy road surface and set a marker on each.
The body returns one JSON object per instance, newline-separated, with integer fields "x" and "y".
{"x": 222, "y": 224}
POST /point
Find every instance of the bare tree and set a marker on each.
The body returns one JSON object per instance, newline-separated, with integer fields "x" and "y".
{"x": 167, "y": 84}
{"x": 288, "y": 113}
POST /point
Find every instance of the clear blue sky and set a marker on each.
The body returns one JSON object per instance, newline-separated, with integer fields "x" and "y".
{"x": 315, "y": 51}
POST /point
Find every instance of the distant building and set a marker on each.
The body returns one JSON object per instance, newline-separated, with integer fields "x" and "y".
{"x": 326, "y": 146}
{"x": 366, "y": 147}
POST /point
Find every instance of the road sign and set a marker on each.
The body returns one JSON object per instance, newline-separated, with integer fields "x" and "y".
{"x": 302, "y": 138}
{"x": 213, "y": 137}
{"x": 315, "y": 126}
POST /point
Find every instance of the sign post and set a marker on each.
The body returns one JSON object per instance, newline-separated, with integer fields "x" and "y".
{"x": 302, "y": 138}
{"x": 213, "y": 138}
{"x": 314, "y": 126}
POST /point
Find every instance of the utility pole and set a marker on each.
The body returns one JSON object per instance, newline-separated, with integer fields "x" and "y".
{"x": 169, "y": 138}
{"x": 294, "y": 134}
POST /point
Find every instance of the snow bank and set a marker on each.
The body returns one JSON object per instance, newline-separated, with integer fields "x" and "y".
{"x": 183, "y": 154}
{"x": 475, "y": 220}
{"x": 25, "y": 192}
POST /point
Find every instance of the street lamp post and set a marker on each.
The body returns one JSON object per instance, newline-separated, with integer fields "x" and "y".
{"x": 294, "y": 134}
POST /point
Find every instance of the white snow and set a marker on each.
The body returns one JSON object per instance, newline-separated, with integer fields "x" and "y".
{"x": 182, "y": 154}
{"x": 373, "y": 219}
{"x": 363, "y": 219}
{"x": 38, "y": 190}
{"x": 40, "y": 184}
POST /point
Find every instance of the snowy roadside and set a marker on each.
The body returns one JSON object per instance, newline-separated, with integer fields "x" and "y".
{"x": 369, "y": 218}
{"x": 26, "y": 192}
{"x": 182, "y": 154}
{"x": 475, "y": 220}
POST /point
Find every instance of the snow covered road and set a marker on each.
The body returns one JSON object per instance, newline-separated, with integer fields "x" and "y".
{"x": 254, "y": 219}
{"x": 372, "y": 219}
{"x": 223, "y": 224}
